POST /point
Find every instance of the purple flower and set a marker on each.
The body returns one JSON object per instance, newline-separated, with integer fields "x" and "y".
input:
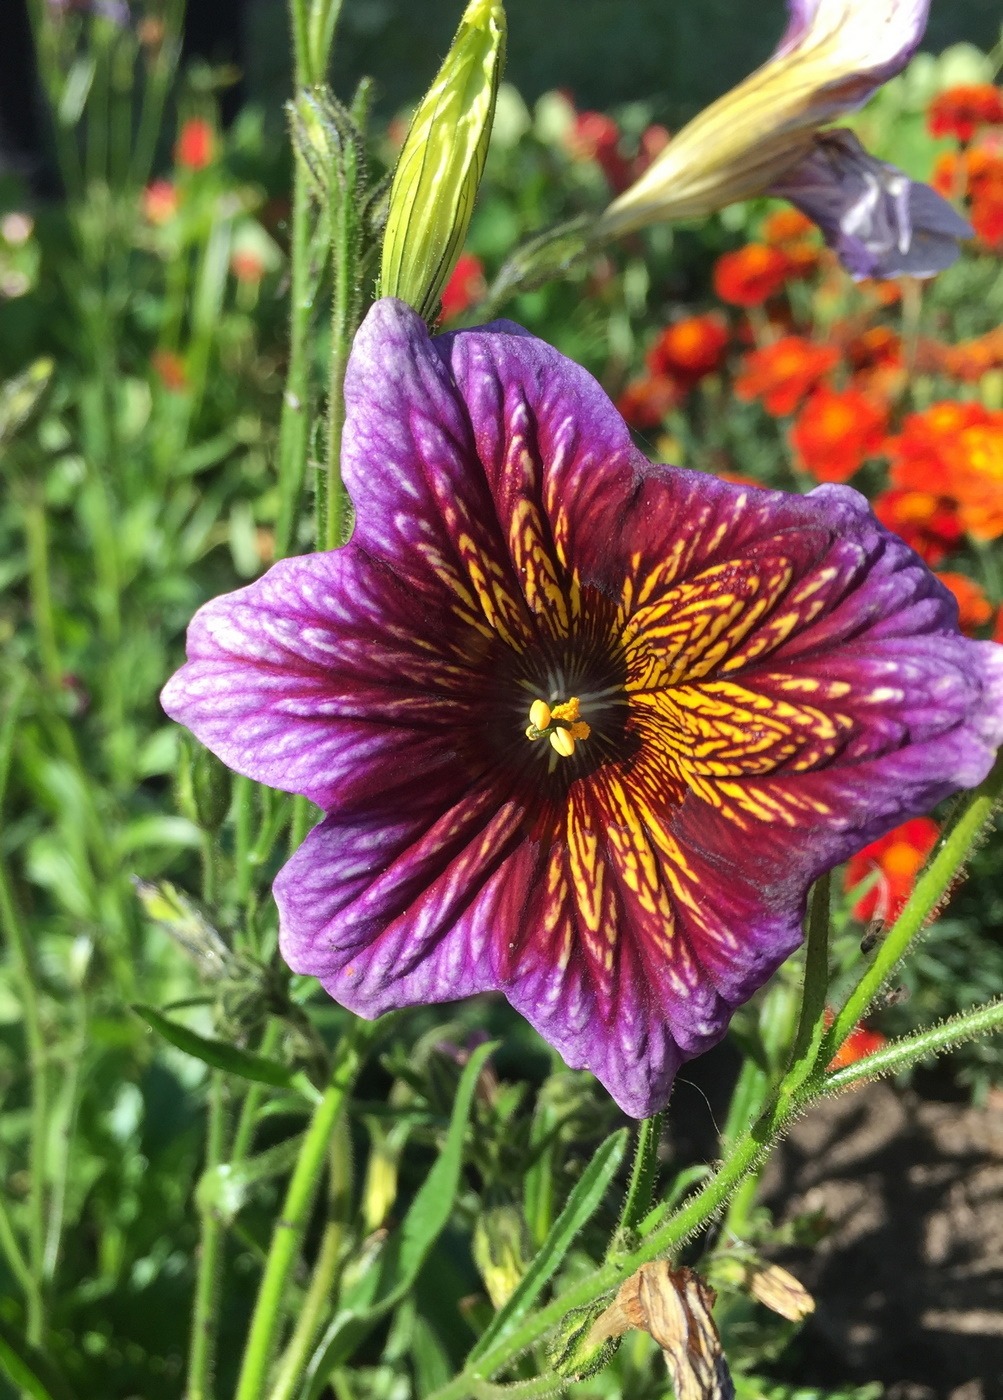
{"x": 585, "y": 727}
{"x": 879, "y": 222}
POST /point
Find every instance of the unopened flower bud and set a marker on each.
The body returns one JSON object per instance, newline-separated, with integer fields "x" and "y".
{"x": 210, "y": 790}
{"x": 501, "y": 1250}
{"x": 441, "y": 163}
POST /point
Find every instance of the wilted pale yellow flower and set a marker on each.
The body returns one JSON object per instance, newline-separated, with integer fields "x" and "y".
{"x": 832, "y": 58}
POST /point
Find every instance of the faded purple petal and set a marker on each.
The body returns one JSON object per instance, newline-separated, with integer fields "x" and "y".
{"x": 878, "y": 221}
{"x": 874, "y": 40}
{"x": 770, "y": 681}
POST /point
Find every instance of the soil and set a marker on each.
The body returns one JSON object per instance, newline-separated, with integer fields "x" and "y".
{"x": 908, "y": 1281}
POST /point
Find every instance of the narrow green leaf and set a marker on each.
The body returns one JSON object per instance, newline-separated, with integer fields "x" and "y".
{"x": 428, "y": 1213}
{"x": 226, "y": 1057}
{"x": 394, "y": 1272}
{"x": 30, "y": 1371}
{"x": 581, "y": 1205}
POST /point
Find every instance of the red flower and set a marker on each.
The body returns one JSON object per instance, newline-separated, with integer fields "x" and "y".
{"x": 960, "y": 111}
{"x": 918, "y": 460}
{"x": 645, "y": 401}
{"x": 465, "y": 286}
{"x": 689, "y": 348}
{"x": 246, "y": 265}
{"x": 898, "y": 859}
{"x": 170, "y": 369}
{"x": 929, "y": 524}
{"x": 782, "y": 374}
{"x": 857, "y": 1045}
{"x": 751, "y": 275}
{"x": 836, "y": 431}
{"x": 196, "y": 144}
{"x": 160, "y": 202}
{"x": 596, "y": 137}
{"x": 974, "y": 608}
{"x": 998, "y": 629}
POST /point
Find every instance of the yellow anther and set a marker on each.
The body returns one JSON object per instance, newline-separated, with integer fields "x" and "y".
{"x": 539, "y": 715}
{"x": 562, "y": 741}
{"x": 560, "y": 725}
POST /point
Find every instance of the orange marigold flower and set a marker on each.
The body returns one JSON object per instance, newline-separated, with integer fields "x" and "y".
{"x": 160, "y": 202}
{"x": 646, "y": 401}
{"x": 465, "y": 286}
{"x": 929, "y": 524}
{"x": 835, "y": 432}
{"x": 998, "y": 629}
{"x": 876, "y": 346}
{"x": 971, "y": 359}
{"x": 782, "y": 374}
{"x": 860, "y": 1043}
{"x": 751, "y": 275}
{"x": 961, "y": 110}
{"x": 196, "y": 144}
{"x": 986, "y": 216}
{"x": 918, "y": 460}
{"x": 689, "y": 348}
{"x": 975, "y": 463}
{"x": 974, "y": 608}
{"x": 170, "y": 370}
{"x": 898, "y": 858}
{"x": 787, "y": 226}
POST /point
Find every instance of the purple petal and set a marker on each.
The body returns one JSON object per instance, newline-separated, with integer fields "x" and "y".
{"x": 878, "y": 221}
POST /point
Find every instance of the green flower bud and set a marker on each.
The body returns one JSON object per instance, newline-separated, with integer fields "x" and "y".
{"x": 441, "y": 163}
{"x": 210, "y": 789}
{"x": 573, "y": 1352}
{"x": 501, "y": 1250}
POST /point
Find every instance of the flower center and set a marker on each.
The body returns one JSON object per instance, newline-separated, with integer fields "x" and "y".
{"x": 561, "y": 724}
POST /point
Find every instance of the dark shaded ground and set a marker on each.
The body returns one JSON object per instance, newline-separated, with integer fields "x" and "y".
{"x": 909, "y": 1279}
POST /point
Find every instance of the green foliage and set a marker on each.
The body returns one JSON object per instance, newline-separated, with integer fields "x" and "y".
{"x": 154, "y": 453}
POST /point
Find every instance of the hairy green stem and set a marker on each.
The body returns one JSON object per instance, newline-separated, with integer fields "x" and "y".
{"x": 900, "y": 1054}
{"x": 271, "y": 1304}
{"x": 205, "y": 1314}
{"x": 642, "y": 1179}
{"x": 955, "y": 848}
{"x": 811, "y": 1022}
{"x": 344, "y": 320}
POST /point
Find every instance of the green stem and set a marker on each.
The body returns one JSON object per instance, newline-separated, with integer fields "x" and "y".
{"x": 900, "y": 1054}
{"x": 344, "y": 322}
{"x": 811, "y": 1023}
{"x": 272, "y": 1300}
{"x": 642, "y": 1179}
{"x": 37, "y": 540}
{"x": 319, "y": 1299}
{"x": 205, "y": 1315}
{"x": 16, "y": 935}
{"x": 248, "y": 1117}
{"x": 956, "y": 845}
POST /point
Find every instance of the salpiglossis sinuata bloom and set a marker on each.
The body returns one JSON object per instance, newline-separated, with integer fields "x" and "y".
{"x": 585, "y": 727}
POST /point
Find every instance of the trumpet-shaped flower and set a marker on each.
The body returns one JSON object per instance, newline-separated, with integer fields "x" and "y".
{"x": 763, "y": 137}
{"x": 584, "y": 727}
